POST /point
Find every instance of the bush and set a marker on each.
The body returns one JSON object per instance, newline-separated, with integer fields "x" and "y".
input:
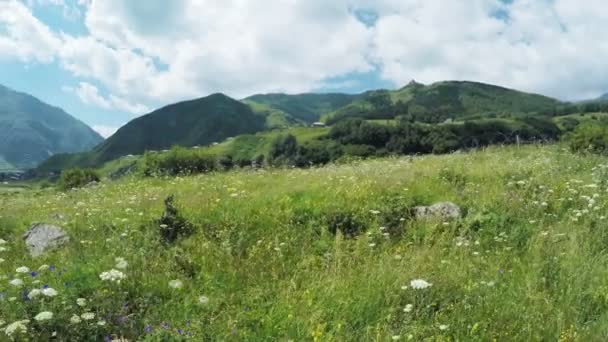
{"x": 76, "y": 178}
{"x": 590, "y": 137}
{"x": 172, "y": 225}
{"x": 178, "y": 161}
{"x": 345, "y": 222}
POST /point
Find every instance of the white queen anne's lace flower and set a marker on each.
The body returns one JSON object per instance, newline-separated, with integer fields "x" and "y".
{"x": 44, "y": 316}
{"x": 23, "y": 269}
{"x": 113, "y": 276}
{"x": 16, "y": 282}
{"x": 87, "y": 316}
{"x": 176, "y": 284}
{"x": 75, "y": 319}
{"x": 81, "y": 302}
{"x": 203, "y": 300}
{"x": 420, "y": 284}
{"x": 34, "y": 293}
{"x": 16, "y": 328}
{"x": 49, "y": 292}
{"x": 121, "y": 263}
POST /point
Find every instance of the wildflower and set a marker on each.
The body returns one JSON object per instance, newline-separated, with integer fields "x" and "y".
{"x": 396, "y": 338}
{"x": 49, "y": 292}
{"x": 2, "y": 242}
{"x": 101, "y": 323}
{"x": 81, "y": 302}
{"x": 374, "y": 212}
{"x": 75, "y": 319}
{"x": 23, "y": 269}
{"x": 16, "y": 327}
{"x": 176, "y": 284}
{"x": 34, "y": 293}
{"x": 203, "y": 300}
{"x": 16, "y": 282}
{"x": 444, "y": 327}
{"x": 1, "y": 260}
{"x": 44, "y": 316}
{"x": 113, "y": 276}
{"x": 420, "y": 284}
{"x": 408, "y": 308}
{"x": 43, "y": 268}
{"x": 87, "y": 316}
{"x": 121, "y": 263}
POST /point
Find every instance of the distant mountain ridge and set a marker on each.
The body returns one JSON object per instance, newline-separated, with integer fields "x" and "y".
{"x": 190, "y": 123}
{"x": 442, "y": 101}
{"x": 217, "y": 117}
{"x": 305, "y": 108}
{"x": 31, "y": 131}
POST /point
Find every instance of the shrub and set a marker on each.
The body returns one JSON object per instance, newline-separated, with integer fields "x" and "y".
{"x": 172, "y": 225}
{"x": 178, "y": 161}
{"x": 345, "y": 222}
{"x": 76, "y": 178}
{"x": 589, "y": 137}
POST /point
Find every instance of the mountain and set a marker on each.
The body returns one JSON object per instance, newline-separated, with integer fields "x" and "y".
{"x": 31, "y": 131}
{"x": 303, "y": 108}
{"x": 198, "y": 122}
{"x": 442, "y": 101}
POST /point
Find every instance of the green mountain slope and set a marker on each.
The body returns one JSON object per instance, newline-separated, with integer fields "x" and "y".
{"x": 444, "y": 100}
{"x": 190, "y": 123}
{"x": 31, "y": 131}
{"x": 306, "y": 108}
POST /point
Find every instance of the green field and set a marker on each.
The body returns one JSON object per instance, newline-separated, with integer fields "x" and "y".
{"x": 527, "y": 262}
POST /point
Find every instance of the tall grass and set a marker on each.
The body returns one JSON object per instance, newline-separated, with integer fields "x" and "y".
{"x": 528, "y": 262}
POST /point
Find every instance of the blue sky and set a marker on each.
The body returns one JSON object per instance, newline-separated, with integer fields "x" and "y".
{"x": 109, "y": 61}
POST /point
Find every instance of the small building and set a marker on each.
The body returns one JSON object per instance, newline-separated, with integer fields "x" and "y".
{"x": 318, "y": 124}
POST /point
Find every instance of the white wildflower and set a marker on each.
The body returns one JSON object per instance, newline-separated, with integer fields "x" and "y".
{"x": 34, "y": 293}
{"x": 176, "y": 284}
{"x": 408, "y": 308}
{"x": 43, "y": 268}
{"x": 44, "y": 316}
{"x": 101, "y": 323}
{"x": 420, "y": 284}
{"x": 113, "y": 276}
{"x": 81, "y": 302}
{"x": 396, "y": 338}
{"x": 23, "y": 269}
{"x": 16, "y": 327}
{"x": 2, "y": 242}
{"x": 444, "y": 327}
{"x": 1, "y": 260}
{"x": 49, "y": 292}
{"x": 75, "y": 319}
{"x": 16, "y": 282}
{"x": 121, "y": 263}
{"x": 87, "y": 316}
{"x": 203, "y": 300}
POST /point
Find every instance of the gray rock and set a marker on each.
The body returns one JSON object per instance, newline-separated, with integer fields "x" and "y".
{"x": 41, "y": 238}
{"x": 443, "y": 210}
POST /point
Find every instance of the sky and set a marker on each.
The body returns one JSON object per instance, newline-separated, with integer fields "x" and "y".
{"x": 109, "y": 61}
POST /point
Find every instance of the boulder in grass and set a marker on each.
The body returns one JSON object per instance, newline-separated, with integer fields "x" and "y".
{"x": 42, "y": 237}
{"x": 442, "y": 210}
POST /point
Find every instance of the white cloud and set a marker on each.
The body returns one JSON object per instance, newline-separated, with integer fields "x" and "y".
{"x": 150, "y": 52}
{"x": 89, "y": 94}
{"x": 23, "y": 37}
{"x": 105, "y": 131}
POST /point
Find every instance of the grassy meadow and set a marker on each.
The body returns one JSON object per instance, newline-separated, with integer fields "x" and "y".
{"x": 528, "y": 262}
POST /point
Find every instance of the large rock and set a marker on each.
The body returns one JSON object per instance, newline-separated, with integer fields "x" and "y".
{"x": 443, "y": 210}
{"x": 41, "y": 238}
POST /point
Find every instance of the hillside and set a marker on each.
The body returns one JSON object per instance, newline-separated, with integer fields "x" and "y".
{"x": 525, "y": 263}
{"x": 31, "y": 131}
{"x": 441, "y": 101}
{"x": 198, "y": 122}
{"x": 306, "y": 108}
